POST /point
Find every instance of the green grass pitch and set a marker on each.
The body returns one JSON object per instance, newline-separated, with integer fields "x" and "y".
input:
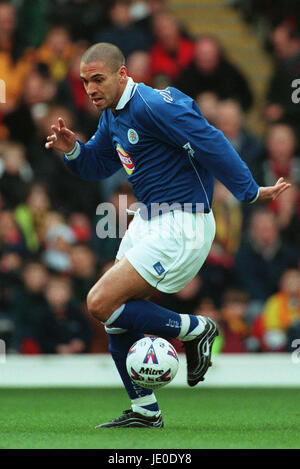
{"x": 194, "y": 418}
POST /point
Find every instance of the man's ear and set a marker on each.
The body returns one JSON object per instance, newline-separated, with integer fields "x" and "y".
{"x": 123, "y": 72}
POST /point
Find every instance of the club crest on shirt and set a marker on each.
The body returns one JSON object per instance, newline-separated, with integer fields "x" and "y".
{"x": 125, "y": 160}
{"x": 133, "y": 136}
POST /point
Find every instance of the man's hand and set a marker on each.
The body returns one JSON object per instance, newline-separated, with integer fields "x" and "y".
{"x": 62, "y": 138}
{"x": 267, "y": 194}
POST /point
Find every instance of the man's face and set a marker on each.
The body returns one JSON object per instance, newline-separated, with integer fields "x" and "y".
{"x": 103, "y": 85}
{"x": 7, "y": 19}
{"x": 207, "y": 55}
{"x": 264, "y": 229}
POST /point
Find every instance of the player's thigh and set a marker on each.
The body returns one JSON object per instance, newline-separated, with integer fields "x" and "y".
{"x": 118, "y": 285}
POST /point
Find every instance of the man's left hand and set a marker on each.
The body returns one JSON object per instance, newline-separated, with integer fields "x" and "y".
{"x": 267, "y": 194}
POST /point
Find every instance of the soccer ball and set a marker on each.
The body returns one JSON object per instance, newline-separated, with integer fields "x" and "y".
{"x": 152, "y": 362}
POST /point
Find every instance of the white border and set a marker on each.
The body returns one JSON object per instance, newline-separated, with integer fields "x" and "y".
{"x": 270, "y": 370}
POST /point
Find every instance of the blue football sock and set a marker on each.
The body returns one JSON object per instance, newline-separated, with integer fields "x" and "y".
{"x": 148, "y": 318}
{"x": 143, "y": 400}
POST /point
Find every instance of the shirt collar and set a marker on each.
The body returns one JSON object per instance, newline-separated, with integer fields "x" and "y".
{"x": 127, "y": 94}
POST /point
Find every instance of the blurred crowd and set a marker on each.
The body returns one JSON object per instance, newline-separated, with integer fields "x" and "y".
{"x": 50, "y": 254}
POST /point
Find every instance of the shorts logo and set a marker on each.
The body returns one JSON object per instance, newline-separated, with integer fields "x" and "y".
{"x": 125, "y": 160}
{"x": 159, "y": 268}
{"x": 133, "y": 136}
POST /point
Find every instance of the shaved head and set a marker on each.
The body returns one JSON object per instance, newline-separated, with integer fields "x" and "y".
{"x": 104, "y": 52}
{"x": 104, "y": 75}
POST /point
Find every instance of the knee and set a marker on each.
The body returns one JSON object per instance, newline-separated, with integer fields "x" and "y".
{"x": 98, "y": 305}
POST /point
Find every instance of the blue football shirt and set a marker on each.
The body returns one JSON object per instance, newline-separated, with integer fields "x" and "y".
{"x": 170, "y": 153}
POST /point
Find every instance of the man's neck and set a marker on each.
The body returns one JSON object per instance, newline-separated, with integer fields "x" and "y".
{"x": 115, "y": 104}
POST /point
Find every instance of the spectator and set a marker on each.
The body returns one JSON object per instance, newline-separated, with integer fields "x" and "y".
{"x": 139, "y": 67}
{"x": 63, "y": 328}
{"x": 105, "y": 243}
{"x": 15, "y": 61}
{"x": 59, "y": 239}
{"x": 184, "y": 301}
{"x": 57, "y": 52}
{"x": 15, "y": 174}
{"x": 81, "y": 227}
{"x": 2, "y": 201}
{"x": 10, "y": 266}
{"x": 230, "y": 119}
{"x": 171, "y": 52}
{"x": 145, "y": 22}
{"x": 280, "y": 315}
{"x": 228, "y": 217}
{"x": 48, "y": 167}
{"x": 233, "y": 322}
{"x": 84, "y": 16}
{"x": 52, "y": 218}
{"x": 268, "y": 11}
{"x": 79, "y": 97}
{"x": 208, "y": 103}
{"x": 84, "y": 276}
{"x": 68, "y": 192}
{"x": 122, "y": 31}
{"x": 39, "y": 91}
{"x": 286, "y": 43}
{"x": 211, "y": 71}
{"x": 28, "y": 305}
{"x": 33, "y": 21}
{"x": 218, "y": 271}
{"x": 280, "y": 159}
{"x": 71, "y": 93}
{"x": 11, "y": 238}
{"x": 262, "y": 257}
{"x": 208, "y": 308}
{"x": 287, "y": 212}
{"x": 31, "y": 215}
{"x": 83, "y": 271}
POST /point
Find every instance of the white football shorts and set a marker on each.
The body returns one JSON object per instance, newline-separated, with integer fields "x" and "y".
{"x": 170, "y": 249}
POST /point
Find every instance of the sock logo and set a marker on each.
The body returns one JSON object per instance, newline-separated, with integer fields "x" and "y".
{"x": 173, "y": 323}
{"x": 150, "y": 355}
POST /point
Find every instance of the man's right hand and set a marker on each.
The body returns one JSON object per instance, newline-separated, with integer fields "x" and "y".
{"x": 62, "y": 139}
